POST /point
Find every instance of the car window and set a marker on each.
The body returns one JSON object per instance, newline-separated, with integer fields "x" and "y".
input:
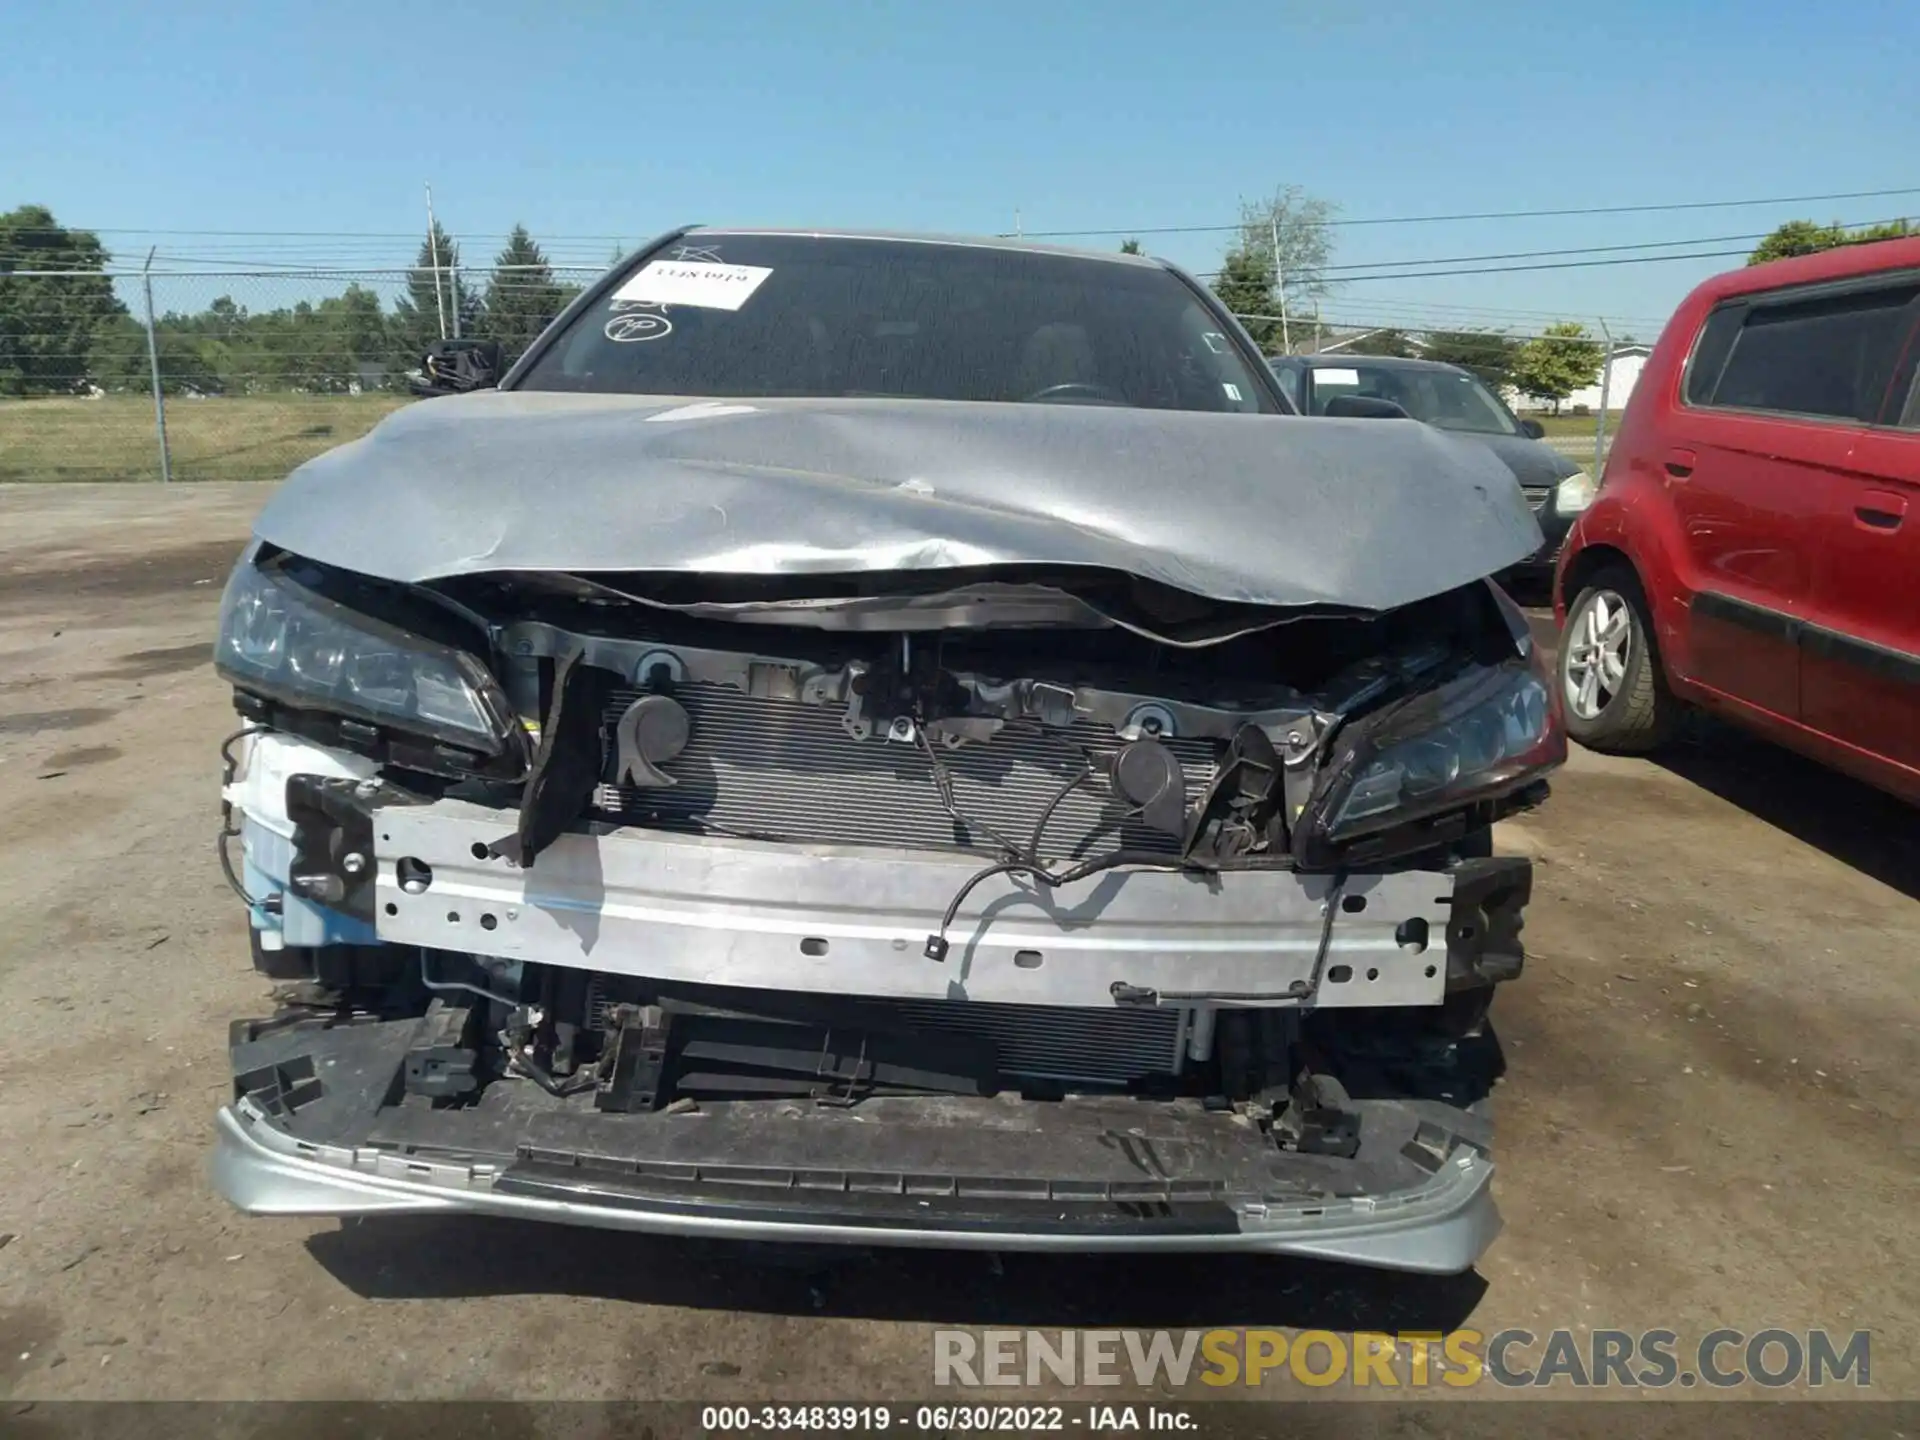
{"x": 754, "y": 315}
{"x": 1450, "y": 399}
{"x": 1909, "y": 414}
{"x": 1829, "y": 357}
{"x": 1710, "y": 351}
{"x": 1289, "y": 378}
{"x": 1903, "y": 394}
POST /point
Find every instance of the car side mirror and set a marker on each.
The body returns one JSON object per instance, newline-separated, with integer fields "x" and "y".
{"x": 1363, "y": 407}
{"x": 1533, "y": 430}
{"x": 454, "y": 367}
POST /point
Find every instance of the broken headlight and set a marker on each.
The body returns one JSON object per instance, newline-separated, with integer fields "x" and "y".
{"x": 1476, "y": 737}
{"x": 286, "y": 642}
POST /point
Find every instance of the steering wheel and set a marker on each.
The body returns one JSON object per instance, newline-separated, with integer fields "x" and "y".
{"x": 1096, "y": 394}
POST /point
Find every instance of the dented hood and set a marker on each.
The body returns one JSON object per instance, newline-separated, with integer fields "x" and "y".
{"x": 1256, "y": 509}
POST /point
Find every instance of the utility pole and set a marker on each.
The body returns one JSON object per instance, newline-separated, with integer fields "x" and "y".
{"x": 1606, "y": 383}
{"x": 1016, "y": 222}
{"x": 153, "y": 366}
{"x": 1280, "y": 285}
{"x": 433, "y": 252}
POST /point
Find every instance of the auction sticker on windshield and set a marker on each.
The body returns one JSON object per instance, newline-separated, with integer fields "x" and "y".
{"x": 688, "y": 282}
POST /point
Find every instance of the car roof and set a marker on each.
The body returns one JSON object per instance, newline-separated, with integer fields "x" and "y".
{"x": 1389, "y": 362}
{"x": 980, "y": 242}
{"x": 1841, "y": 263}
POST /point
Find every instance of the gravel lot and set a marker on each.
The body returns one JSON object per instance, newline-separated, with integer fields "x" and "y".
{"x": 1708, "y": 1118}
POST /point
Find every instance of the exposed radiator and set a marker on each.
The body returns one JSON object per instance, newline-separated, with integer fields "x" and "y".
{"x": 780, "y": 770}
{"x": 1062, "y": 1043}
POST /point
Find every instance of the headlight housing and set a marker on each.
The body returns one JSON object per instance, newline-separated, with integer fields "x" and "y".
{"x": 1477, "y": 737}
{"x": 288, "y": 643}
{"x": 1574, "y": 494}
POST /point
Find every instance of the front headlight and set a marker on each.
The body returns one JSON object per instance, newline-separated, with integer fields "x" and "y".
{"x": 1574, "y": 494}
{"x": 1474, "y": 738}
{"x": 283, "y": 641}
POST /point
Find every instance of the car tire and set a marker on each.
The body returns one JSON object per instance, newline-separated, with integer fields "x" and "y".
{"x": 1611, "y": 683}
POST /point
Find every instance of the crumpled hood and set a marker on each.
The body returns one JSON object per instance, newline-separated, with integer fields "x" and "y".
{"x": 1273, "y": 510}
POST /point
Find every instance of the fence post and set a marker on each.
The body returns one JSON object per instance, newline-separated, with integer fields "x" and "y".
{"x": 153, "y": 367}
{"x": 1606, "y": 382}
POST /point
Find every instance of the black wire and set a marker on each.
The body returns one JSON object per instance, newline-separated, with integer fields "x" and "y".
{"x": 943, "y": 789}
{"x": 226, "y": 750}
{"x": 227, "y": 832}
{"x": 1029, "y": 861}
{"x": 1059, "y": 797}
{"x": 226, "y": 867}
{"x": 1141, "y": 859}
{"x": 1336, "y": 894}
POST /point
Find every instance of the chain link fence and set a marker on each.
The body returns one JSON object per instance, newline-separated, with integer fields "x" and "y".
{"x": 238, "y": 375}
{"x": 175, "y": 374}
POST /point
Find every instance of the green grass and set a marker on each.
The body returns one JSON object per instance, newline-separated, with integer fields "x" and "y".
{"x": 256, "y": 437}
{"x": 1581, "y": 425}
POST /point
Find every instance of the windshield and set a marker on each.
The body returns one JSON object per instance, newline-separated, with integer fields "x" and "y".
{"x": 1449, "y": 399}
{"x": 745, "y": 315}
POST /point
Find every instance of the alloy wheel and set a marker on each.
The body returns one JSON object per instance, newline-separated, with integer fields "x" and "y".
{"x": 1599, "y": 643}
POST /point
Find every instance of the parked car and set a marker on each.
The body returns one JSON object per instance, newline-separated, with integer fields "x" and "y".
{"x": 1755, "y": 545}
{"x": 885, "y": 740}
{"x": 1458, "y": 401}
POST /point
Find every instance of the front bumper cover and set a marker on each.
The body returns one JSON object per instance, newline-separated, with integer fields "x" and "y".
{"x": 1439, "y": 1223}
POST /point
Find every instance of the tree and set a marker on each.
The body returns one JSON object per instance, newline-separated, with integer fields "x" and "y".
{"x": 522, "y": 296}
{"x": 1804, "y": 237}
{"x": 1552, "y": 366}
{"x": 118, "y": 358}
{"x": 1245, "y": 286}
{"x": 1130, "y": 247}
{"x": 1487, "y": 353}
{"x": 1382, "y": 342}
{"x": 433, "y": 291}
{"x": 48, "y": 323}
{"x": 1291, "y": 228}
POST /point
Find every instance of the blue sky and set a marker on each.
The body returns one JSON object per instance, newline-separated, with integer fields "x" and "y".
{"x": 620, "y": 120}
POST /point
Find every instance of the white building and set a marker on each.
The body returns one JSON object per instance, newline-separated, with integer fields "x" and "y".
{"x": 1627, "y": 361}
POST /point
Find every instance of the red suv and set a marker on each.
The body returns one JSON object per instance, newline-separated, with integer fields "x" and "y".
{"x": 1750, "y": 550}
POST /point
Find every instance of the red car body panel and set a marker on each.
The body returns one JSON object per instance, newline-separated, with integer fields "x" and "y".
{"x": 1779, "y": 554}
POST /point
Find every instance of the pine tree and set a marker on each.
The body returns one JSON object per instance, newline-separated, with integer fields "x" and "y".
{"x": 522, "y": 296}
{"x": 437, "y": 296}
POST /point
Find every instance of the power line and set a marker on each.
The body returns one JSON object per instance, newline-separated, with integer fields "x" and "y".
{"x": 1371, "y": 265}
{"x": 1532, "y": 214}
{"x": 1489, "y": 215}
{"x": 1552, "y": 265}
{"x": 1595, "y": 249}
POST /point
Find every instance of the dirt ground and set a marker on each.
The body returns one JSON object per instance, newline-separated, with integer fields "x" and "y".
{"x": 1708, "y": 1120}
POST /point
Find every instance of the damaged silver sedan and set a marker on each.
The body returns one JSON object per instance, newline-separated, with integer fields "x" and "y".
{"x": 885, "y": 740}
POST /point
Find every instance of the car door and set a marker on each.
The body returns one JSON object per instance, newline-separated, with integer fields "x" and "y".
{"x": 1860, "y": 660}
{"x": 1756, "y": 462}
